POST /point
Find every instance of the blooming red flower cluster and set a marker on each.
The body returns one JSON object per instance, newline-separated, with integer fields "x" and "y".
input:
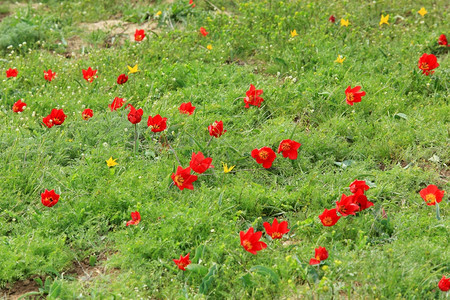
{"x": 11, "y": 73}
{"x": 348, "y": 205}
{"x": 135, "y": 218}
{"x": 216, "y": 129}
{"x": 252, "y": 97}
{"x": 139, "y": 35}
{"x": 427, "y": 63}
{"x": 443, "y": 40}
{"x": 266, "y": 155}
{"x": 135, "y": 115}
{"x": 49, "y": 75}
{"x": 157, "y": 123}
{"x": 89, "y": 75}
{"x": 444, "y": 284}
{"x": 122, "y": 79}
{"x": 276, "y": 230}
{"x": 183, "y": 178}
{"x": 250, "y": 241}
{"x": 432, "y": 195}
{"x": 19, "y": 106}
{"x": 117, "y": 103}
{"x": 187, "y": 108}
{"x": 203, "y": 31}
{"x": 49, "y": 198}
{"x": 353, "y": 95}
{"x": 87, "y": 114}
{"x": 56, "y": 117}
{"x": 183, "y": 262}
{"x": 320, "y": 255}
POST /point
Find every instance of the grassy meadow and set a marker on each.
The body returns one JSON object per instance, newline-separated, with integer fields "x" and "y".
{"x": 396, "y": 139}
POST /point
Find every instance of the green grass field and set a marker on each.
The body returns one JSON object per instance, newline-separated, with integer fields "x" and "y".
{"x": 396, "y": 139}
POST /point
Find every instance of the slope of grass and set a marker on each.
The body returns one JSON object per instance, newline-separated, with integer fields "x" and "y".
{"x": 396, "y": 139}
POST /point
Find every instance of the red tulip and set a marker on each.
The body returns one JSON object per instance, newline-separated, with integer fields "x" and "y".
{"x": 329, "y": 217}
{"x": 117, "y": 103}
{"x": 48, "y": 121}
{"x": 11, "y": 73}
{"x": 203, "y": 31}
{"x": 250, "y": 241}
{"x": 135, "y": 115}
{"x": 49, "y": 198}
{"x": 332, "y": 19}
{"x": 87, "y": 114}
{"x": 139, "y": 35}
{"x": 427, "y": 62}
{"x": 431, "y": 194}
{"x": 183, "y": 262}
{"x": 216, "y": 129}
{"x": 19, "y": 106}
{"x": 187, "y": 108}
{"x": 264, "y": 156}
{"x": 49, "y": 75}
{"x": 358, "y": 186}
{"x": 443, "y": 40}
{"x": 252, "y": 97}
{"x": 347, "y": 206}
{"x": 353, "y": 95}
{"x": 89, "y": 74}
{"x": 122, "y": 79}
{"x": 289, "y": 148}
{"x": 56, "y": 117}
{"x": 157, "y": 123}
{"x": 444, "y": 284}
{"x": 199, "y": 164}
{"x": 135, "y": 218}
{"x": 276, "y": 230}
{"x": 320, "y": 254}
{"x": 361, "y": 200}
{"x": 183, "y": 178}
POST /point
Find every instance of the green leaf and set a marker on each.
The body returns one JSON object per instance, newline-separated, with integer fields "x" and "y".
{"x": 401, "y": 115}
{"x": 344, "y": 164}
{"x": 438, "y": 215}
{"x": 266, "y": 272}
{"x": 207, "y": 281}
{"x": 247, "y": 280}
{"x": 92, "y": 260}
{"x": 199, "y": 269}
{"x": 198, "y": 253}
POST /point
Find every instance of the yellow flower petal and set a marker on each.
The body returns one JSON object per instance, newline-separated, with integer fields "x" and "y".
{"x": 111, "y": 162}
{"x": 209, "y": 47}
{"x": 345, "y": 22}
{"x": 422, "y": 11}
{"x": 340, "y": 59}
{"x": 384, "y": 19}
{"x": 294, "y": 33}
{"x": 133, "y": 69}
{"x": 226, "y": 169}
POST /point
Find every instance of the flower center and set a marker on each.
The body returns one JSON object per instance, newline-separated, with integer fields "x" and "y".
{"x": 263, "y": 155}
{"x": 342, "y": 208}
{"x": 15, "y": 108}
{"x": 318, "y": 257}
{"x": 285, "y": 147}
{"x": 430, "y": 198}
{"x": 85, "y": 117}
{"x": 49, "y": 199}
{"x": 247, "y": 245}
{"x": 56, "y": 120}
{"x": 276, "y": 235}
{"x": 350, "y": 97}
{"x": 424, "y": 66}
{"x": 328, "y": 221}
{"x": 179, "y": 180}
